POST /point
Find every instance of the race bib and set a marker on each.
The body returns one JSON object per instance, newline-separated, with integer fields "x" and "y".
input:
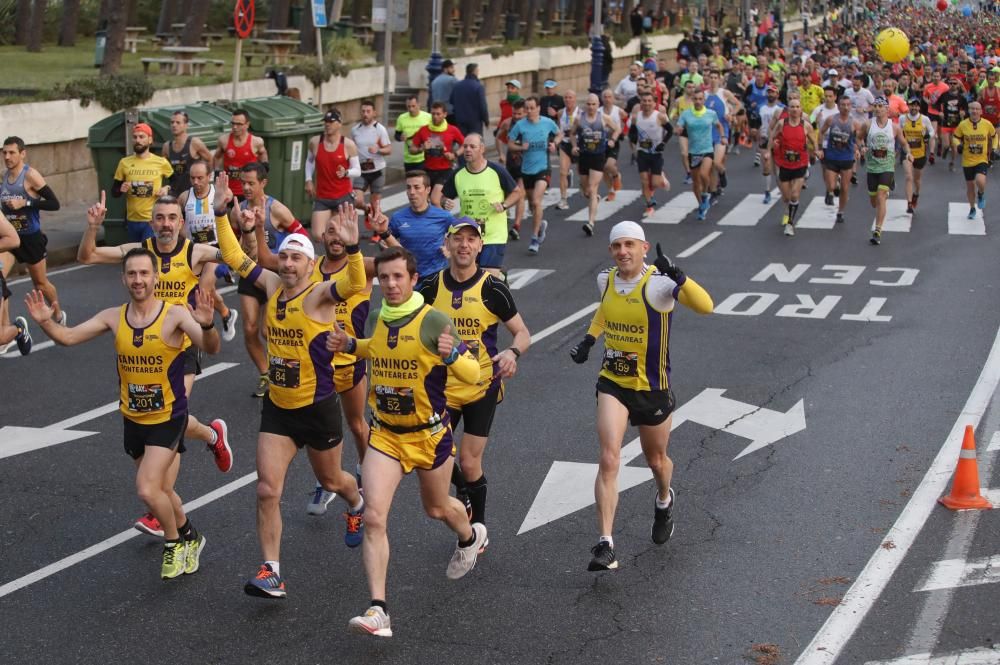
{"x": 395, "y": 401}
{"x": 915, "y": 143}
{"x": 646, "y": 144}
{"x": 367, "y": 165}
{"x": 621, "y": 363}
{"x": 880, "y": 153}
{"x": 283, "y": 372}
{"x": 145, "y": 397}
{"x": 206, "y": 235}
{"x": 18, "y": 221}
{"x": 590, "y": 146}
{"x": 975, "y": 149}
{"x": 434, "y": 152}
{"x": 792, "y": 155}
{"x": 141, "y": 189}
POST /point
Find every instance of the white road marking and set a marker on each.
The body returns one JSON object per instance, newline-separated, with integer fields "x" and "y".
{"x": 397, "y": 200}
{"x": 958, "y": 224}
{"x": 896, "y": 218}
{"x": 698, "y": 245}
{"x": 551, "y": 197}
{"x": 117, "y": 539}
{"x": 952, "y": 573}
{"x": 674, "y": 210}
{"x": 976, "y": 656}
{"x": 607, "y": 208}
{"x": 13, "y": 353}
{"x": 50, "y": 273}
{"x": 750, "y": 210}
{"x": 817, "y": 215}
{"x": 829, "y": 641}
{"x": 559, "y": 325}
{"x": 994, "y": 443}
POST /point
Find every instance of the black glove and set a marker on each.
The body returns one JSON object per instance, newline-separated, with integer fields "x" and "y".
{"x": 581, "y": 351}
{"x": 668, "y": 268}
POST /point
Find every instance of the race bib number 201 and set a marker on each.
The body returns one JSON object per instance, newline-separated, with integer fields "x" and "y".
{"x": 145, "y": 397}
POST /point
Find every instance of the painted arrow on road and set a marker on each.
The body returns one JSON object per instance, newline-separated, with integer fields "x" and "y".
{"x": 569, "y": 486}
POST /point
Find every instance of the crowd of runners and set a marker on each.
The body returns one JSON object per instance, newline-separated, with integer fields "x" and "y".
{"x": 405, "y": 371}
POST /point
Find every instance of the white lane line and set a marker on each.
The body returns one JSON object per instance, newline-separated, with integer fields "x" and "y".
{"x": 558, "y": 325}
{"x": 117, "y": 539}
{"x": 50, "y": 273}
{"x": 675, "y": 210}
{"x": 952, "y": 573}
{"x": 606, "y": 208}
{"x": 897, "y": 220}
{"x": 959, "y": 224}
{"x": 13, "y": 353}
{"x": 750, "y": 210}
{"x": 976, "y": 656}
{"x": 817, "y": 215}
{"x": 698, "y": 245}
{"x": 994, "y": 443}
{"x": 829, "y": 641}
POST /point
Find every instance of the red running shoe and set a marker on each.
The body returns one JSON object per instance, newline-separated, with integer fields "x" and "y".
{"x": 220, "y": 449}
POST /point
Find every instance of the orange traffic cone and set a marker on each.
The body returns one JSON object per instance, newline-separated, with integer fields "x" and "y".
{"x": 965, "y": 487}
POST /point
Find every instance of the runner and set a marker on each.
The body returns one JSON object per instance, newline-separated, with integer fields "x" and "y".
{"x": 919, "y": 134}
{"x": 438, "y": 142}
{"x": 140, "y": 177}
{"x": 754, "y": 98}
{"x": 477, "y": 303}
{"x": 975, "y": 137}
{"x": 535, "y": 138}
{"x": 420, "y": 227}
{"x": 591, "y": 134}
{"x": 650, "y": 130}
{"x": 768, "y": 114}
{"x": 331, "y": 166}
{"x": 181, "y": 151}
{"x": 18, "y": 332}
{"x": 696, "y": 125}
{"x": 619, "y": 117}
{"x": 23, "y": 194}
{"x": 150, "y": 337}
{"x": 953, "y": 108}
{"x": 511, "y": 160}
{"x": 726, "y": 106}
{"x": 634, "y": 384}
{"x": 275, "y": 219}
{"x": 838, "y": 152}
{"x": 411, "y": 426}
{"x": 199, "y": 224}
{"x": 931, "y": 92}
{"x": 406, "y": 126}
{"x": 237, "y": 148}
{"x": 880, "y": 138}
{"x": 301, "y": 408}
{"x": 486, "y": 191}
{"x": 791, "y": 144}
{"x": 566, "y": 159}
{"x": 373, "y": 146}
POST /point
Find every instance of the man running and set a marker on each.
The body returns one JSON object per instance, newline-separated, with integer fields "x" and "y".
{"x": 182, "y": 151}
{"x": 769, "y": 114}
{"x": 726, "y": 106}
{"x": 839, "y": 134}
{"x": 373, "y": 145}
{"x": 486, "y": 191}
{"x": 511, "y": 160}
{"x": 407, "y": 125}
{"x": 953, "y": 108}
{"x": 420, "y": 227}
{"x": 477, "y": 302}
{"x": 23, "y": 195}
{"x": 439, "y": 141}
{"x": 791, "y": 144}
{"x": 754, "y": 98}
{"x": 619, "y": 117}
{"x": 150, "y": 336}
{"x": 141, "y": 177}
{"x": 534, "y": 138}
{"x": 237, "y": 148}
{"x": 18, "y": 332}
{"x": 697, "y": 150}
{"x": 414, "y": 355}
{"x": 880, "y": 138}
{"x": 199, "y": 224}
{"x": 331, "y": 166}
{"x": 931, "y": 92}
{"x": 301, "y": 408}
{"x": 634, "y": 384}
{"x": 566, "y": 117}
{"x": 975, "y": 136}
{"x": 919, "y": 134}
{"x": 650, "y": 130}
{"x": 591, "y": 134}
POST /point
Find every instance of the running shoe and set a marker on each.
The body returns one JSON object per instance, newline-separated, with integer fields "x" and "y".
{"x": 648, "y": 212}
{"x": 789, "y": 229}
{"x": 703, "y": 208}
{"x": 464, "y": 558}
{"x": 687, "y": 179}
{"x": 533, "y": 246}
{"x": 588, "y": 229}
{"x": 767, "y": 198}
{"x": 23, "y": 337}
{"x": 784, "y": 219}
{"x": 610, "y": 196}
{"x": 663, "y": 521}
{"x": 192, "y": 559}
{"x": 971, "y": 215}
{"x": 149, "y": 525}
{"x": 854, "y": 180}
{"x": 229, "y": 325}
{"x": 220, "y": 449}
{"x": 840, "y": 218}
{"x": 267, "y": 584}
{"x": 617, "y": 182}
{"x": 876, "y": 238}
{"x": 951, "y": 167}
{"x": 756, "y": 159}
{"x": 543, "y": 229}
{"x": 828, "y": 199}
{"x": 355, "y": 531}
{"x": 227, "y": 276}
{"x": 909, "y": 208}
{"x": 715, "y": 196}
{"x": 174, "y": 560}
{"x": 836, "y": 191}
{"x": 562, "y": 205}
{"x": 373, "y": 622}
{"x": 723, "y": 182}
{"x": 513, "y": 233}
{"x": 320, "y": 500}
{"x": 914, "y": 201}
{"x": 604, "y": 557}
{"x": 262, "y": 384}
{"x": 980, "y": 203}
{"x": 62, "y": 318}
{"x": 930, "y": 158}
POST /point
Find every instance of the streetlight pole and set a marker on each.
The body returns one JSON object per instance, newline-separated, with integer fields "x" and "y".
{"x": 433, "y": 67}
{"x": 387, "y": 87}
{"x": 596, "y": 51}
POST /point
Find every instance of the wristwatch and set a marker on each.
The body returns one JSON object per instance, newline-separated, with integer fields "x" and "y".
{"x": 515, "y": 351}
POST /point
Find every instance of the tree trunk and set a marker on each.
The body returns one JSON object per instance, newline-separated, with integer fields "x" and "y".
{"x": 167, "y": 13}
{"x": 550, "y": 12}
{"x": 579, "y": 16}
{"x": 529, "y": 11}
{"x": 279, "y": 15}
{"x": 626, "y": 12}
{"x": 467, "y": 13}
{"x": 22, "y": 22}
{"x": 37, "y": 25}
{"x": 357, "y": 10}
{"x": 421, "y": 22}
{"x": 117, "y": 18}
{"x": 446, "y": 8}
{"x": 307, "y": 32}
{"x": 132, "y": 16}
{"x": 491, "y": 21}
{"x": 194, "y": 24}
{"x": 102, "y": 14}
{"x": 67, "y": 24}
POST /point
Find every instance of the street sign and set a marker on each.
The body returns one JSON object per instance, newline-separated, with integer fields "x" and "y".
{"x": 243, "y": 16}
{"x": 400, "y": 15}
{"x": 319, "y": 13}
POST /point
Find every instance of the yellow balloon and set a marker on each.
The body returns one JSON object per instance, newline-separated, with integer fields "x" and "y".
{"x": 892, "y": 44}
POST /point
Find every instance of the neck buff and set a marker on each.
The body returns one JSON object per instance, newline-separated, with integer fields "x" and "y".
{"x": 390, "y": 313}
{"x": 438, "y": 128}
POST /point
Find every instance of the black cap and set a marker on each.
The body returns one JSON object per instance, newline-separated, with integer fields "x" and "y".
{"x": 447, "y": 63}
{"x": 333, "y": 115}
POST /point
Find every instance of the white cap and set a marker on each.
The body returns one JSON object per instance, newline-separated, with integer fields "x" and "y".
{"x": 627, "y": 230}
{"x": 297, "y": 242}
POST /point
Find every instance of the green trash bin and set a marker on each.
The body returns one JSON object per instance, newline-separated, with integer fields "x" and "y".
{"x": 286, "y": 125}
{"x": 106, "y": 140}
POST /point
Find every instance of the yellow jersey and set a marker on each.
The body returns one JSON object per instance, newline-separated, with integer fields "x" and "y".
{"x": 915, "y": 133}
{"x": 300, "y": 369}
{"x": 976, "y": 141}
{"x": 145, "y": 177}
{"x": 351, "y": 314}
{"x": 150, "y": 372}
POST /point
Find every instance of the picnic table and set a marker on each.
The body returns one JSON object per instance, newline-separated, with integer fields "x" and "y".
{"x": 279, "y": 50}
{"x": 184, "y": 60}
{"x": 133, "y": 34}
{"x": 281, "y": 34}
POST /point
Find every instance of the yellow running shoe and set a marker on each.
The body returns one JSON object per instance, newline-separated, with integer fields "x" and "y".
{"x": 784, "y": 219}
{"x": 174, "y": 559}
{"x": 194, "y": 550}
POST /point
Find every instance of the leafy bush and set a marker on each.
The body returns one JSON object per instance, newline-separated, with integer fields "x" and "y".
{"x": 115, "y": 93}
{"x": 345, "y": 50}
{"x": 319, "y": 75}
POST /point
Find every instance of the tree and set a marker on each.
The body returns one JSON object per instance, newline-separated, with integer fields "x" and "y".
{"x": 530, "y": 14}
{"x": 115, "y": 47}
{"x": 420, "y": 25}
{"x": 447, "y": 7}
{"x": 467, "y": 9}
{"x": 357, "y": 9}
{"x": 168, "y": 10}
{"x": 67, "y": 25}
{"x": 279, "y": 15}
{"x": 37, "y": 25}
{"x": 307, "y": 32}
{"x": 22, "y": 22}
{"x": 580, "y": 14}
{"x": 549, "y": 13}
{"x": 491, "y": 20}
{"x": 194, "y": 24}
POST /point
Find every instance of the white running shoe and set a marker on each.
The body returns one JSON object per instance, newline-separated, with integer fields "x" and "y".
{"x": 464, "y": 558}
{"x": 320, "y": 500}
{"x": 228, "y": 325}
{"x": 373, "y": 622}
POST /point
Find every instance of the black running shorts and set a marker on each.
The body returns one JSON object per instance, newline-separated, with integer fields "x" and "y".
{"x": 645, "y": 407}
{"x": 479, "y": 414}
{"x": 162, "y": 435}
{"x": 32, "y": 249}
{"x": 246, "y": 287}
{"x": 316, "y": 425}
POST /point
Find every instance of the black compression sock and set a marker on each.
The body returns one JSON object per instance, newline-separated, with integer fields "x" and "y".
{"x": 187, "y": 531}
{"x": 380, "y": 603}
{"x": 467, "y": 543}
{"x": 477, "y": 497}
{"x": 458, "y": 480}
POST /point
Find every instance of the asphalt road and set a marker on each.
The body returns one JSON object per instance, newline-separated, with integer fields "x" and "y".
{"x": 876, "y": 349}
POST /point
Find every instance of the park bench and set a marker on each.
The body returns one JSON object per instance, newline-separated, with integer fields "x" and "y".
{"x": 194, "y": 66}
